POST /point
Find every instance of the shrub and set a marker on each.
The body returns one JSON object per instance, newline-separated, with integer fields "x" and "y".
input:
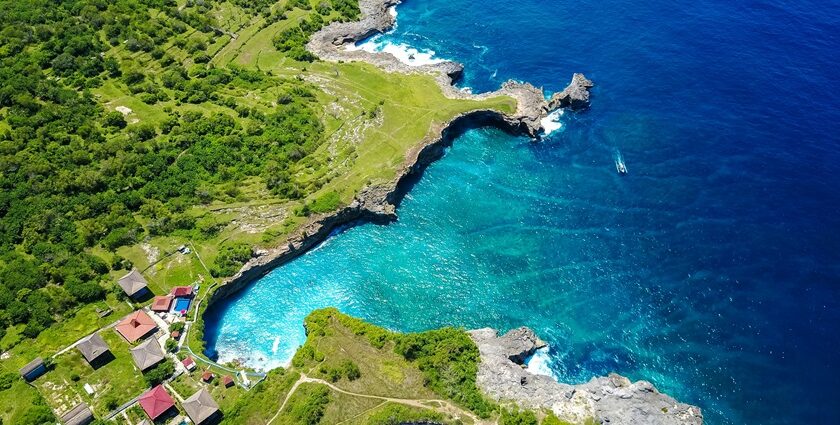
{"x": 159, "y": 373}
{"x": 310, "y": 410}
{"x": 7, "y": 379}
{"x": 517, "y": 417}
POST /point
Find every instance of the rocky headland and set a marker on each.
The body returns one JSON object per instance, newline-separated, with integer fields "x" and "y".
{"x": 613, "y": 399}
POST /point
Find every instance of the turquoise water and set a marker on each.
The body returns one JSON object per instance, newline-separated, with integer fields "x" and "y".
{"x": 181, "y": 304}
{"x": 711, "y": 269}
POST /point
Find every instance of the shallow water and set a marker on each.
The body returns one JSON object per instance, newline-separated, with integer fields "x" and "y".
{"x": 711, "y": 269}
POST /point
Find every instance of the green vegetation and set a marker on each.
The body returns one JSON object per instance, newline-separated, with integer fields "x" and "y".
{"x": 447, "y": 359}
{"x": 307, "y": 405}
{"x": 518, "y": 417}
{"x": 347, "y": 369}
{"x": 395, "y": 414}
{"x": 260, "y": 404}
{"x": 159, "y": 373}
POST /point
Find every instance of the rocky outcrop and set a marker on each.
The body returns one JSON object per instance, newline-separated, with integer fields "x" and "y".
{"x": 609, "y": 400}
{"x": 575, "y": 95}
{"x": 331, "y": 42}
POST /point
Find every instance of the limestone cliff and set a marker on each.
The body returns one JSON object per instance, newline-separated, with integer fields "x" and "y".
{"x": 609, "y": 400}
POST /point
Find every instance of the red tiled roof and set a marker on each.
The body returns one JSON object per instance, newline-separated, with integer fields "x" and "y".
{"x": 181, "y": 291}
{"x": 161, "y": 303}
{"x": 136, "y": 325}
{"x": 156, "y": 401}
{"x": 188, "y": 362}
{"x": 207, "y": 376}
{"x": 227, "y": 381}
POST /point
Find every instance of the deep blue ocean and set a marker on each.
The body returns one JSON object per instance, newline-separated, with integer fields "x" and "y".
{"x": 712, "y": 269}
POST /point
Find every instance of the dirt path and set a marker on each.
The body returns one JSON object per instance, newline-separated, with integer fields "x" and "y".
{"x": 440, "y": 406}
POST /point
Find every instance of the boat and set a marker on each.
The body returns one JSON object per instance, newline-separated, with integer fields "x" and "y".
{"x": 619, "y": 163}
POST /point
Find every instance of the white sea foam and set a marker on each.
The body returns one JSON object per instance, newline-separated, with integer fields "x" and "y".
{"x": 403, "y": 52}
{"x": 538, "y": 363}
{"x": 275, "y": 345}
{"x": 392, "y": 11}
{"x": 552, "y": 122}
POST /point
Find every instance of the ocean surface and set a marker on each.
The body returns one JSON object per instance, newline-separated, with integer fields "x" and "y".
{"x": 711, "y": 269}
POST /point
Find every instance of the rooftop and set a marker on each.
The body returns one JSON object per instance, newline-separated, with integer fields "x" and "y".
{"x": 133, "y": 282}
{"x": 227, "y": 381}
{"x": 147, "y": 354}
{"x": 92, "y": 347}
{"x": 181, "y": 291}
{"x": 161, "y": 303}
{"x": 34, "y": 364}
{"x": 136, "y": 325}
{"x": 200, "y": 406}
{"x": 79, "y": 415}
{"x": 156, "y": 401}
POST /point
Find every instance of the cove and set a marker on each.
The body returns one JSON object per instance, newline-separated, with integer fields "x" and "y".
{"x": 710, "y": 269}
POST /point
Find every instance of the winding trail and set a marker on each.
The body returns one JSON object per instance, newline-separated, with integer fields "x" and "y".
{"x": 441, "y": 406}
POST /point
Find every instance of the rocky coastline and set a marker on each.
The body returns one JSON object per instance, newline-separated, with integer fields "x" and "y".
{"x": 613, "y": 399}
{"x": 378, "y": 203}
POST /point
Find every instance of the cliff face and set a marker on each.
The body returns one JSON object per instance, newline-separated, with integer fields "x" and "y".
{"x": 609, "y": 400}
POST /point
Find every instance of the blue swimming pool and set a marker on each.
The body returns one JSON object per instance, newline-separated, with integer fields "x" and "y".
{"x": 181, "y": 304}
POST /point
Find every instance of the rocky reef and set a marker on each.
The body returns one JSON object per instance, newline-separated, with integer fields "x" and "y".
{"x": 613, "y": 399}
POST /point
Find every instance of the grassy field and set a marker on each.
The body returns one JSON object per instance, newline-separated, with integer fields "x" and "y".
{"x": 113, "y": 383}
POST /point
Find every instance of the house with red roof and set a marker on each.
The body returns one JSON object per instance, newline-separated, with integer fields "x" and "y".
{"x": 136, "y": 326}
{"x": 156, "y": 402}
{"x": 161, "y": 303}
{"x": 181, "y": 291}
{"x": 227, "y": 381}
{"x": 207, "y": 376}
{"x": 188, "y": 363}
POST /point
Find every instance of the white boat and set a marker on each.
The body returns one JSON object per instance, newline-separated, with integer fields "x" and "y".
{"x": 619, "y": 163}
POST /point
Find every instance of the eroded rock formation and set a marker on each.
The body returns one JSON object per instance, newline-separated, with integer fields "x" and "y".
{"x": 609, "y": 400}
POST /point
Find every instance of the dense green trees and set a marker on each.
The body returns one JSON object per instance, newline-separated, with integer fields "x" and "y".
{"x": 449, "y": 360}
{"x": 159, "y": 373}
{"x": 75, "y": 175}
{"x": 292, "y": 41}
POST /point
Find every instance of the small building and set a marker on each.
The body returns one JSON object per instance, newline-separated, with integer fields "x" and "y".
{"x": 227, "y": 381}
{"x": 207, "y": 376}
{"x": 33, "y": 369}
{"x": 201, "y": 408}
{"x": 79, "y": 415}
{"x": 188, "y": 363}
{"x": 175, "y": 335}
{"x": 136, "y": 325}
{"x": 147, "y": 354}
{"x": 181, "y": 291}
{"x": 134, "y": 284}
{"x": 161, "y": 303}
{"x": 156, "y": 402}
{"x": 95, "y": 350}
